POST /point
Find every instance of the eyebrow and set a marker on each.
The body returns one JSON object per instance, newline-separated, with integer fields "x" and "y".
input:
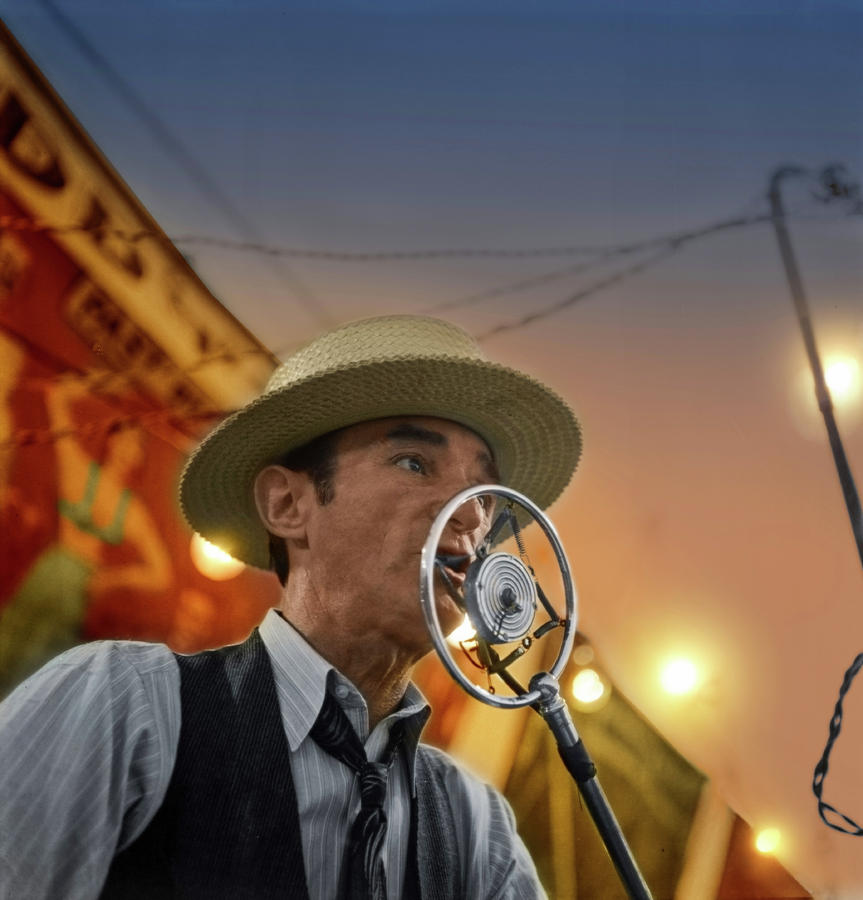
{"x": 407, "y": 431}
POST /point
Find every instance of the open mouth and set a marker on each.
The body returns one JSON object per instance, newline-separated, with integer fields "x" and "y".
{"x": 453, "y": 568}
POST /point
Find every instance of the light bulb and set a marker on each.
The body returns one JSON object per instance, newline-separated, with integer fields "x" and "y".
{"x": 212, "y": 561}
{"x": 679, "y": 676}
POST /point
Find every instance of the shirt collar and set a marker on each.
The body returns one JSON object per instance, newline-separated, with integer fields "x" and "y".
{"x": 302, "y": 677}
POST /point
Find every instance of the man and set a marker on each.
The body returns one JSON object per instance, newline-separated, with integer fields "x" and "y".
{"x": 289, "y": 766}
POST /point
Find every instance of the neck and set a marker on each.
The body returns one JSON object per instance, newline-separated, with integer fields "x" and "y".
{"x": 378, "y": 667}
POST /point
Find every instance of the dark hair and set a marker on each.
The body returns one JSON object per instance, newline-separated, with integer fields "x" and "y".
{"x": 317, "y": 459}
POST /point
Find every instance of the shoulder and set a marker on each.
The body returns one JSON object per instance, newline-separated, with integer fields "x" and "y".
{"x": 494, "y": 860}
{"x": 104, "y": 692}
{"x": 89, "y": 671}
{"x": 87, "y": 746}
{"x": 119, "y": 657}
{"x": 444, "y": 768}
{"x": 469, "y": 797}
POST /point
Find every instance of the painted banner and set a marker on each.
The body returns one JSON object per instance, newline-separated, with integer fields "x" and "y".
{"x": 114, "y": 358}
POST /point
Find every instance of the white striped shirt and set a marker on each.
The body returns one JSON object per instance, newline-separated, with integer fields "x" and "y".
{"x": 87, "y": 747}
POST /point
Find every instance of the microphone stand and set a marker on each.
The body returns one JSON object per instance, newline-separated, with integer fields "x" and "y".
{"x": 553, "y": 709}
{"x": 544, "y": 693}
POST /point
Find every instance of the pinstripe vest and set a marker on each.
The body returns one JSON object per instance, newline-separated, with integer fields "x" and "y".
{"x": 229, "y": 826}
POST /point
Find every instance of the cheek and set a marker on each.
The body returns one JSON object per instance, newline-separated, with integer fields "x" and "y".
{"x": 399, "y": 539}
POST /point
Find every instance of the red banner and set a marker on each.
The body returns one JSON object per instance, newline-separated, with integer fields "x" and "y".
{"x": 93, "y": 543}
{"x": 114, "y": 358}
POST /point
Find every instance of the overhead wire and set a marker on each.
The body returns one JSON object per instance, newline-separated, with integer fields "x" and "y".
{"x": 583, "y": 294}
{"x": 596, "y": 252}
{"x": 171, "y": 422}
{"x": 444, "y": 253}
{"x": 673, "y": 240}
{"x": 523, "y": 284}
{"x": 664, "y": 245}
{"x": 385, "y": 255}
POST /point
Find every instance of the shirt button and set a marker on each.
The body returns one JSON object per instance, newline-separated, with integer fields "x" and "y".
{"x": 342, "y": 691}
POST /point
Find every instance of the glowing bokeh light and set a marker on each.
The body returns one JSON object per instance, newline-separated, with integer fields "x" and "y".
{"x": 588, "y": 686}
{"x": 679, "y": 676}
{"x": 767, "y": 840}
{"x": 842, "y": 375}
{"x": 464, "y": 632}
{"x": 212, "y": 561}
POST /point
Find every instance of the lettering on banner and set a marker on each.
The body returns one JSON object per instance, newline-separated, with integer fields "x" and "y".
{"x": 35, "y": 157}
{"x": 63, "y": 191}
{"x": 114, "y": 245}
{"x": 124, "y": 347}
{"x": 25, "y": 145}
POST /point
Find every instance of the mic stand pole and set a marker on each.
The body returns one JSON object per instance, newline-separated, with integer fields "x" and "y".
{"x": 579, "y": 764}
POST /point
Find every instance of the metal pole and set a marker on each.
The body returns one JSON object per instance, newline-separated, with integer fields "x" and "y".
{"x": 580, "y": 766}
{"x": 846, "y": 479}
{"x": 822, "y": 394}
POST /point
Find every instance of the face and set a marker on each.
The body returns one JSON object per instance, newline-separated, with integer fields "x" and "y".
{"x": 392, "y": 478}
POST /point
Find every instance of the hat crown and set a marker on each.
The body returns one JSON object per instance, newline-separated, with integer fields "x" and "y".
{"x": 398, "y": 365}
{"x": 377, "y": 339}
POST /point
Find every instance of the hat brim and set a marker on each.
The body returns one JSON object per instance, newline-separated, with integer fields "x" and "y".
{"x": 532, "y": 433}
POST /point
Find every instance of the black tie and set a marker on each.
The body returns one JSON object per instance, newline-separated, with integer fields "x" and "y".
{"x": 334, "y": 733}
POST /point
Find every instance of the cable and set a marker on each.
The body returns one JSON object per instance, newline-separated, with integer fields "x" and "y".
{"x": 515, "y": 287}
{"x": 667, "y": 245}
{"x": 848, "y": 825}
{"x": 582, "y": 294}
{"x": 598, "y": 252}
{"x": 170, "y": 423}
{"x": 386, "y": 255}
{"x": 835, "y": 184}
{"x": 472, "y": 252}
{"x": 673, "y": 240}
{"x": 151, "y": 421}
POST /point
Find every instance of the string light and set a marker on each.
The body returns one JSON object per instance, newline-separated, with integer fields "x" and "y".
{"x": 587, "y": 686}
{"x": 843, "y": 378}
{"x": 679, "y": 676}
{"x": 212, "y": 561}
{"x": 842, "y": 375}
{"x": 767, "y": 840}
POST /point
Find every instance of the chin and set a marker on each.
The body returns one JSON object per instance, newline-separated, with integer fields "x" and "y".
{"x": 449, "y": 615}
{"x": 415, "y": 643}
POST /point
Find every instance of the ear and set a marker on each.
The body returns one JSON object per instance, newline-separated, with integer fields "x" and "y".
{"x": 282, "y": 497}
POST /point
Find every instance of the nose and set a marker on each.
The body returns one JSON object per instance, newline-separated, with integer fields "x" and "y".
{"x": 470, "y": 518}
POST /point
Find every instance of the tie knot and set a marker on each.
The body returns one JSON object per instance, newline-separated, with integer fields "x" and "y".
{"x": 373, "y": 785}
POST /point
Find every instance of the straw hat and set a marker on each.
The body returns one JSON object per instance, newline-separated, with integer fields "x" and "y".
{"x": 372, "y": 369}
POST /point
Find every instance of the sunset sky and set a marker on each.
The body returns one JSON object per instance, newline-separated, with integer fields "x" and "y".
{"x": 706, "y": 517}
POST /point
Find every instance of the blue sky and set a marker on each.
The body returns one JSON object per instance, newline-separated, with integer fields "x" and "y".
{"x": 372, "y": 129}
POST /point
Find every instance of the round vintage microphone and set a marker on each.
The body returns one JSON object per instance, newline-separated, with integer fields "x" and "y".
{"x": 501, "y": 594}
{"x": 502, "y": 598}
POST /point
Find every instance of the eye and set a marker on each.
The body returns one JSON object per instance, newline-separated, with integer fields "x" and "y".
{"x": 411, "y": 464}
